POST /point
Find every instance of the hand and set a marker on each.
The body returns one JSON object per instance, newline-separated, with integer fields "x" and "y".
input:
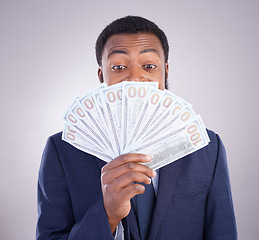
{"x": 117, "y": 177}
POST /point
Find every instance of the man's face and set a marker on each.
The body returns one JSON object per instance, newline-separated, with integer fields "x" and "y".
{"x": 133, "y": 57}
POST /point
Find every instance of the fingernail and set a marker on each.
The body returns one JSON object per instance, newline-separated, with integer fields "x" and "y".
{"x": 149, "y": 158}
{"x": 154, "y": 173}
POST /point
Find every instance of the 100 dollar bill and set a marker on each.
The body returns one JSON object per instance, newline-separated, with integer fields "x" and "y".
{"x": 175, "y": 145}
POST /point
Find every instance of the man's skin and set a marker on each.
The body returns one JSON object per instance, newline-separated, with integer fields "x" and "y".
{"x": 129, "y": 57}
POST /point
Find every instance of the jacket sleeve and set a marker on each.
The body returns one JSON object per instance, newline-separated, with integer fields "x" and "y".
{"x": 220, "y": 223}
{"x": 55, "y": 212}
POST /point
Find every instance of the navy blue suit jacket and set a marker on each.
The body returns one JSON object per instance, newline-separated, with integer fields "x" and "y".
{"x": 193, "y": 202}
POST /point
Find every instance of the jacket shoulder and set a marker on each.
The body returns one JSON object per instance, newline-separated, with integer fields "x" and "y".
{"x": 64, "y": 149}
{"x": 212, "y": 135}
{"x": 57, "y": 137}
{"x": 215, "y": 140}
{"x": 60, "y": 144}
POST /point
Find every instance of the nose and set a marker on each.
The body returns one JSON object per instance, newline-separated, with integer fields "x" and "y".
{"x": 136, "y": 73}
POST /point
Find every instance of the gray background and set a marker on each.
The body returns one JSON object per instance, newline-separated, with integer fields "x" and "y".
{"x": 47, "y": 57}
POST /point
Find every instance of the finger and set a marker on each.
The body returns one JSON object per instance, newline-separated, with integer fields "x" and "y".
{"x": 127, "y": 179}
{"x": 114, "y": 173}
{"x": 131, "y": 191}
{"x": 125, "y": 158}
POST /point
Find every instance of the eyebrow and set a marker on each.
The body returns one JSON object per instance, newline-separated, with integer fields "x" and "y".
{"x": 150, "y": 50}
{"x": 124, "y": 52}
{"x": 116, "y": 52}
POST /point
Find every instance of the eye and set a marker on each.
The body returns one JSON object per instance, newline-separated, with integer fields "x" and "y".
{"x": 150, "y": 66}
{"x": 118, "y": 67}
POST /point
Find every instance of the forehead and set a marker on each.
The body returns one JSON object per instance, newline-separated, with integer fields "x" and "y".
{"x": 133, "y": 42}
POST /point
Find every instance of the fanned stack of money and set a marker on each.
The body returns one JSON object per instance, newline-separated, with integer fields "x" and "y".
{"x": 134, "y": 117}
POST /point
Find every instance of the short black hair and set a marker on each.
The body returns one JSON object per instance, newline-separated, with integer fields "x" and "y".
{"x": 129, "y": 24}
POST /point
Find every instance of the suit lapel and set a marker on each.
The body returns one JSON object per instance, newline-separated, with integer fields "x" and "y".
{"x": 126, "y": 227}
{"x": 100, "y": 162}
{"x": 133, "y": 223}
{"x": 167, "y": 180}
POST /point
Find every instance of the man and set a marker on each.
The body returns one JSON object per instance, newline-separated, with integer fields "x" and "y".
{"x": 81, "y": 197}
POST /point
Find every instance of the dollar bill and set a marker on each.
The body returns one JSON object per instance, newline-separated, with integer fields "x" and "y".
{"x": 89, "y": 115}
{"x": 82, "y": 126}
{"x": 111, "y": 98}
{"x": 134, "y": 95}
{"x": 175, "y": 145}
{"x": 72, "y": 136}
{"x": 178, "y": 115}
{"x": 166, "y": 104}
{"x": 148, "y": 107}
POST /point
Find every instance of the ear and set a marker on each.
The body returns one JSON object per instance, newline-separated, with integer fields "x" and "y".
{"x": 100, "y": 74}
{"x": 166, "y": 70}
